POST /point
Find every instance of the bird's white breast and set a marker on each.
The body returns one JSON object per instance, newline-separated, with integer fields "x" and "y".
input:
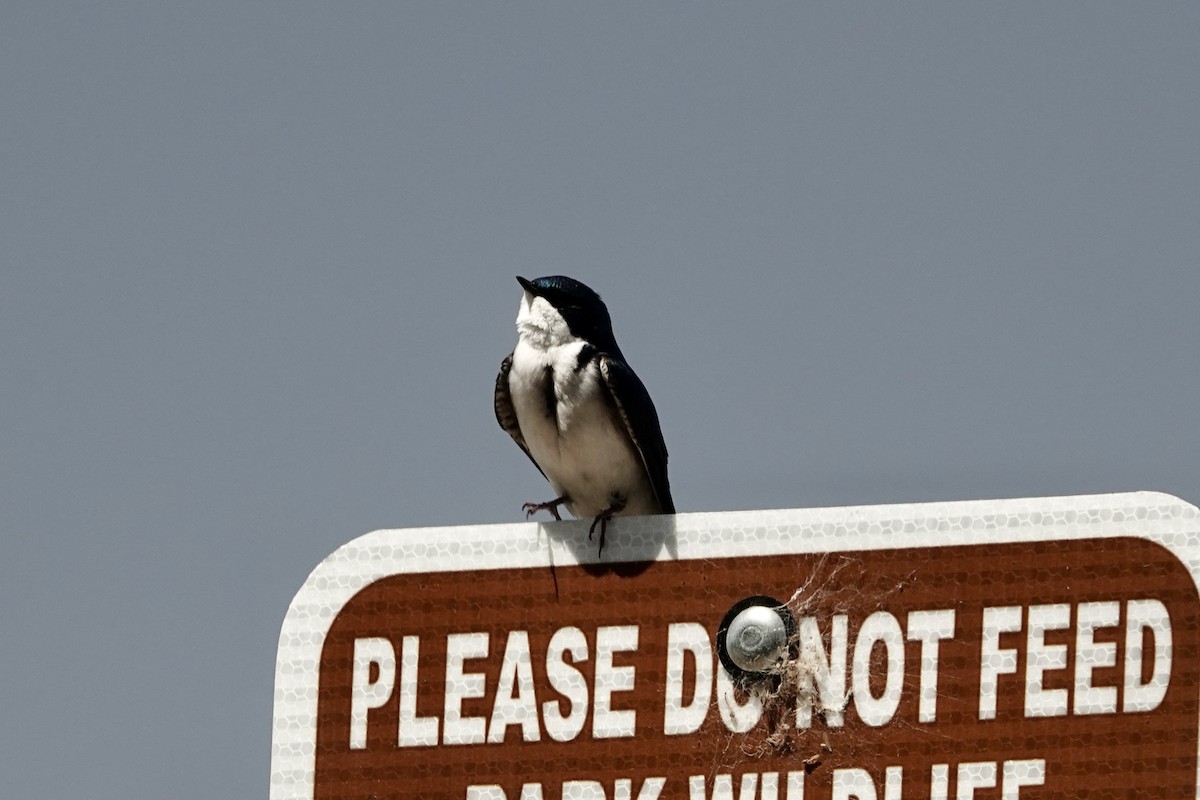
{"x": 582, "y": 446}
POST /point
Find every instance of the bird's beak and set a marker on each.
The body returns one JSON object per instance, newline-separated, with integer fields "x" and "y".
{"x": 527, "y": 285}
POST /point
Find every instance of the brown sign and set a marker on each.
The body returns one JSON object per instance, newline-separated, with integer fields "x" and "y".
{"x": 1039, "y": 668}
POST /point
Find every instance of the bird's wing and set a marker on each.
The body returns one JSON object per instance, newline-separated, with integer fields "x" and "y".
{"x": 636, "y": 410}
{"x": 505, "y": 414}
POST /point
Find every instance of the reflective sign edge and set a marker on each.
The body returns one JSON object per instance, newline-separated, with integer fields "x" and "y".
{"x": 1155, "y": 516}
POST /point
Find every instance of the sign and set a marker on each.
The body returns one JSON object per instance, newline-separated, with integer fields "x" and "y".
{"x": 1016, "y": 649}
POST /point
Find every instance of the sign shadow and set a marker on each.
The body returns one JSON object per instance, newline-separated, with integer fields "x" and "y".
{"x": 631, "y": 544}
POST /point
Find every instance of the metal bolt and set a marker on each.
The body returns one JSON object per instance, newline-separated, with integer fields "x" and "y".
{"x": 756, "y": 639}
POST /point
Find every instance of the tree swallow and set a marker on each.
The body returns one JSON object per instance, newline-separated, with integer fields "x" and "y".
{"x": 568, "y": 399}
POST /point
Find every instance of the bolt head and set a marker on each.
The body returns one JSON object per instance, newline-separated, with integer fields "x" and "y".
{"x": 757, "y": 639}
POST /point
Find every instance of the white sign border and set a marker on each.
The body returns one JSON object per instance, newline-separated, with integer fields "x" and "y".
{"x": 1158, "y": 517}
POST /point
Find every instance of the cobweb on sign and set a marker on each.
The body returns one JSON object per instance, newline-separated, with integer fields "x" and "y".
{"x": 835, "y": 585}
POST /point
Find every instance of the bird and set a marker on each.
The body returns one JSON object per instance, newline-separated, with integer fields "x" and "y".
{"x": 569, "y": 399}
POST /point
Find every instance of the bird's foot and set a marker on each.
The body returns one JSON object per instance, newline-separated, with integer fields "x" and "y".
{"x": 602, "y": 520}
{"x": 552, "y": 506}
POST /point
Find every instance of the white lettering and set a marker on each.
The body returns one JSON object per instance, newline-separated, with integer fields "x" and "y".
{"x": 461, "y": 686}
{"x": 1029, "y": 772}
{"x": 516, "y": 702}
{"x": 893, "y": 780}
{"x": 651, "y": 787}
{"x": 929, "y": 628}
{"x": 939, "y": 782}
{"x": 1147, "y": 668}
{"x": 622, "y": 790}
{"x": 583, "y": 790}
{"x": 365, "y": 693}
{"x": 1091, "y": 655}
{"x": 684, "y": 638}
{"x": 853, "y": 784}
{"x": 738, "y": 717}
{"x": 414, "y": 731}
{"x": 982, "y": 775}
{"x": 995, "y": 660}
{"x": 975, "y": 775}
{"x": 568, "y": 682}
{"x": 723, "y": 787}
{"x": 1042, "y": 658}
{"x": 1142, "y": 616}
{"x": 607, "y": 723}
{"x": 822, "y": 675}
{"x": 857, "y": 784}
{"x": 768, "y": 787}
{"x": 880, "y": 627}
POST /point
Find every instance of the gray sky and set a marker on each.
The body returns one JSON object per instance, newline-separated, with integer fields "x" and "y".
{"x": 257, "y": 278}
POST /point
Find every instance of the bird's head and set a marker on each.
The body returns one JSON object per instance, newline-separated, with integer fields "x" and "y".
{"x": 558, "y": 310}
